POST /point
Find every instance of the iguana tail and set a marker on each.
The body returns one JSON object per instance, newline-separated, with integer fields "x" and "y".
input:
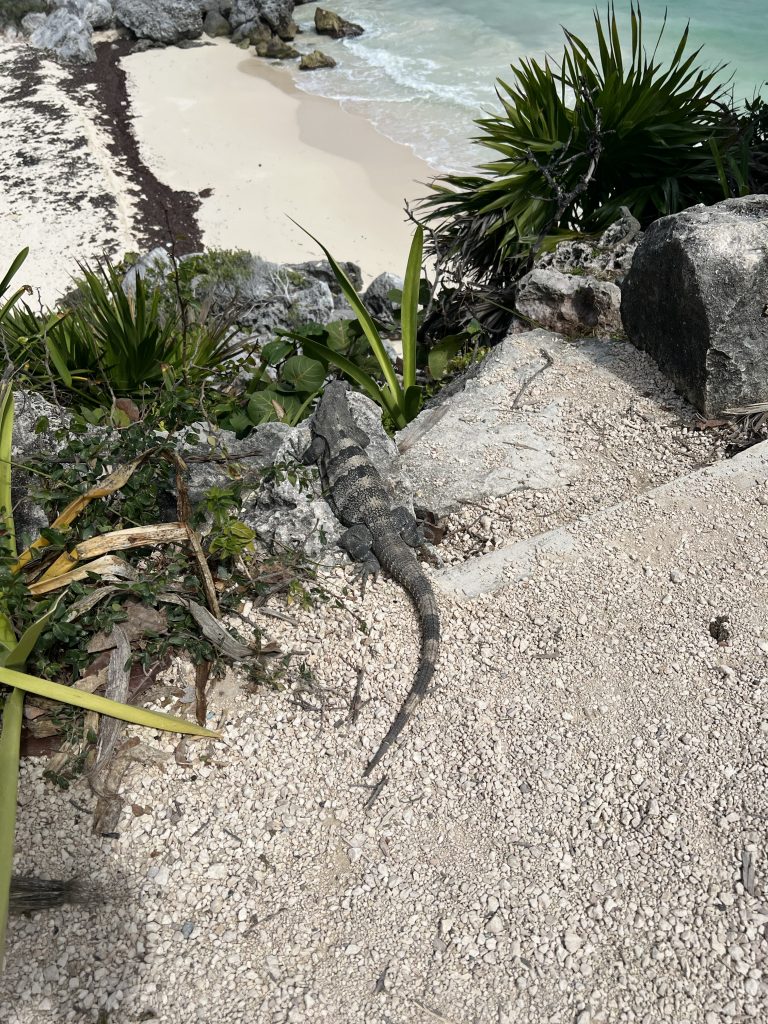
{"x": 400, "y": 562}
{"x": 27, "y": 894}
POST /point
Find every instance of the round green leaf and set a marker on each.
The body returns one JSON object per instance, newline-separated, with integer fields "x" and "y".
{"x": 304, "y": 373}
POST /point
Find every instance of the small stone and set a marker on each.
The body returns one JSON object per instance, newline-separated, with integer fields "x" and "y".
{"x": 572, "y": 942}
{"x": 495, "y": 926}
{"x": 676, "y": 576}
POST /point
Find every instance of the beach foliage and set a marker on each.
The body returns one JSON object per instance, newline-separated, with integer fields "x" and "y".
{"x": 15, "y": 683}
{"x": 114, "y": 342}
{"x": 280, "y": 386}
{"x": 576, "y": 140}
{"x": 400, "y": 401}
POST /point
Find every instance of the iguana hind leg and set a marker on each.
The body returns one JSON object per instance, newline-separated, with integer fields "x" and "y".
{"x": 408, "y": 526}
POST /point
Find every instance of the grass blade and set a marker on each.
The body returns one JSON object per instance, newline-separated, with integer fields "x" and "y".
{"x": 409, "y": 308}
{"x": 10, "y": 739}
{"x": 101, "y": 705}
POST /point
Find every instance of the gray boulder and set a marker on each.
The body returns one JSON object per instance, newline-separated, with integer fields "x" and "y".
{"x": 263, "y": 296}
{"x": 695, "y": 299}
{"x": 277, "y": 14}
{"x": 65, "y": 34}
{"x": 215, "y": 24}
{"x": 327, "y": 23}
{"x": 276, "y": 49}
{"x": 377, "y": 300}
{"x": 98, "y": 13}
{"x": 32, "y": 21}
{"x": 578, "y": 306}
{"x": 608, "y": 258}
{"x": 161, "y": 21}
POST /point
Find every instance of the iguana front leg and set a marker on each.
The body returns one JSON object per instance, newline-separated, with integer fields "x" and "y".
{"x": 357, "y": 542}
{"x": 314, "y": 452}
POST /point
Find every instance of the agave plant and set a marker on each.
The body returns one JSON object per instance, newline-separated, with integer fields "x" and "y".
{"x": 577, "y": 140}
{"x": 109, "y": 341}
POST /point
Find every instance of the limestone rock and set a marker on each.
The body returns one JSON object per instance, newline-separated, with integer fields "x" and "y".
{"x": 377, "y": 300}
{"x": 161, "y": 21}
{"x": 215, "y": 24}
{"x": 276, "y": 49}
{"x": 32, "y": 21}
{"x": 608, "y": 258}
{"x": 277, "y": 14}
{"x": 253, "y": 33}
{"x": 695, "y": 299}
{"x": 329, "y": 24}
{"x": 315, "y": 60}
{"x": 66, "y": 34}
{"x": 98, "y": 13}
{"x": 263, "y": 296}
{"x": 570, "y": 304}
{"x": 466, "y": 447}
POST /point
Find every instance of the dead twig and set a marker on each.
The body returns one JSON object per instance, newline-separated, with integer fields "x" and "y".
{"x": 548, "y": 362}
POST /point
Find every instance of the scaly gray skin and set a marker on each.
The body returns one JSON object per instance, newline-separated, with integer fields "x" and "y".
{"x": 27, "y": 894}
{"x": 380, "y": 534}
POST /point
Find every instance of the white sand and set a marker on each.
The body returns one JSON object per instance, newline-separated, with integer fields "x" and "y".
{"x": 217, "y": 117}
{"x": 62, "y": 193}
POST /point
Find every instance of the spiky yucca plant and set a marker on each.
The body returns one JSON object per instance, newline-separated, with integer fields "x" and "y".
{"x": 577, "y": 140}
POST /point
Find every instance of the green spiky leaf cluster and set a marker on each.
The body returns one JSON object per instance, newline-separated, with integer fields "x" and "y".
{"x": 577, "y": 140}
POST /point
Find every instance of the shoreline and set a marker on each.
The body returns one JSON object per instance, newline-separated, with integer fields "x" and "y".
{"x": 161, "y": 212}
{"x": 278, "y": 152}
{"x": 72, "y": 185}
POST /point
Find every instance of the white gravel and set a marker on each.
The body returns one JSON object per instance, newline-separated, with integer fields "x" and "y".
{"x": 573, "y": 830}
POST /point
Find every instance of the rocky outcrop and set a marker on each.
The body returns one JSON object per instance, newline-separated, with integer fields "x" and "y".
{"x": 276, "y": 14}
{"x": 276, "y": 49}
{"x": 215, "y": 24}
{"x": 329, "y": 24}
{"x": 577, "y": 306}
{"x": 695, "y": 299}
{"x": 66, "y": 34}
{"x": 608, "y": 258}
{"x": 315, "y": 60}
{"x": 574, "y": 289}
{"x": 161, "y": 21}
{"x": 98, "y": 13}
{"x": 377, "y": 300}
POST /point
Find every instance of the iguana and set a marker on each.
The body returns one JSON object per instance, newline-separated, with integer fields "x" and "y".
{"x": 380, "y": 533}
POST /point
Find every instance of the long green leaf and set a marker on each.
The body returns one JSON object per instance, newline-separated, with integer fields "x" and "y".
{"x": 18, "y": 654}
{"x": 10, "y": 739}
{"x": 13, "y": 269}
{"x": 103, "y": 706}
{"x": 6, "y": 439}
{"x": 409, "y": 308}
{"x": 382, "y": 397}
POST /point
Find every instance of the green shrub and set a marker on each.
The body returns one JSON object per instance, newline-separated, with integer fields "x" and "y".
{"x": 577, "y": 140}
{"x": 110, "y": 343}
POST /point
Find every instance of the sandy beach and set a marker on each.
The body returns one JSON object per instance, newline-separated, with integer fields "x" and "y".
{"x": 215, "y": 117}
{"x": 79, "y": 179}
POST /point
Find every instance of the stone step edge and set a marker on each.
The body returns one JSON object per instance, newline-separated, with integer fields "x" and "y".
{"x": 485, "y": 574}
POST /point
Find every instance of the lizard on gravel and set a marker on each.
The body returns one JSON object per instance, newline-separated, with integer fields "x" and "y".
{"x": 380, "y": 533}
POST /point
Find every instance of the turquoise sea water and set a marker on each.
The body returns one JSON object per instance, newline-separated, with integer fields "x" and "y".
{"x": 424, "y": 69}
